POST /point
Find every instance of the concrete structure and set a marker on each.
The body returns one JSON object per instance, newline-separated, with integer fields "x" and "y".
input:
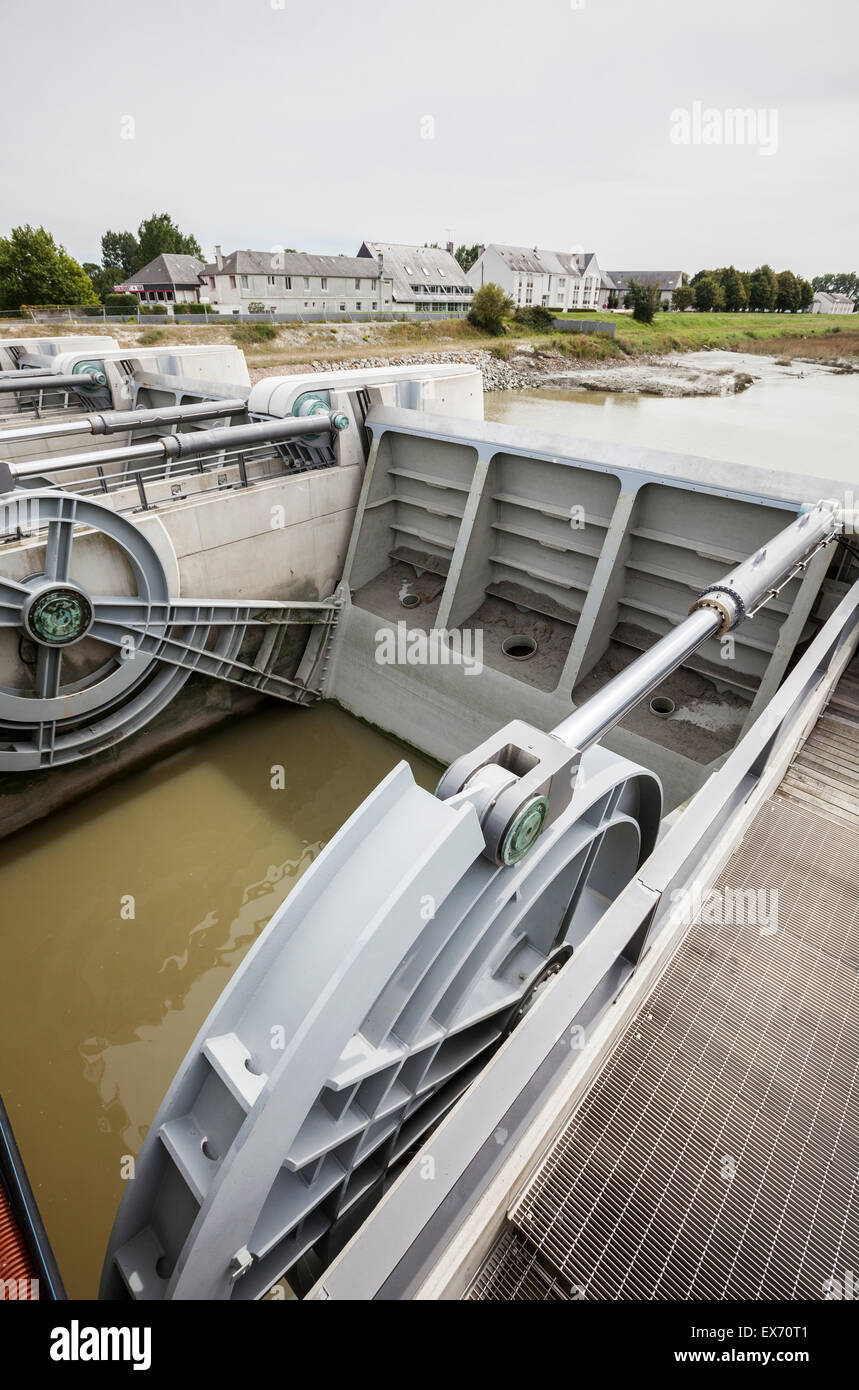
{"x": 291, "y": 282}
{"x": 667, "y": 280}
{"x": 424, "y": 278}
{"x": 169, "y": 279}
{"x": 826, "y": 302}
{"x": 552, "y": 279}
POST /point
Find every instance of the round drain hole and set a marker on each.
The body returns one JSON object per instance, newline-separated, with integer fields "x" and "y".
{"x": 519, "y": 648}
{"x": 662, "y": 707}
{"x": 410, "y": 600}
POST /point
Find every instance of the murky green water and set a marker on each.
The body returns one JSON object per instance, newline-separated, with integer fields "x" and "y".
{"x": 99, "y": 1007}
{"x": 808, "y": 426}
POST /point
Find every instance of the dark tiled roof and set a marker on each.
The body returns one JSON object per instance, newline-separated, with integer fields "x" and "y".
{"x": 168, "y": 269}
{"x": 294, "y": 263}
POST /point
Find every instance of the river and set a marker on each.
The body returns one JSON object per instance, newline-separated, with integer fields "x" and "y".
{"x": 100, "y": 1006}
{"x": 798, "y": 420}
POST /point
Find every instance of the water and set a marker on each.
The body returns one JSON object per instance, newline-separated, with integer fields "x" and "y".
{"x": 802, "y": 425}
{"x": 99, "y": 1007}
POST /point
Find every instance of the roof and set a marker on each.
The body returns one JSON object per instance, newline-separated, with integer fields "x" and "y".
{"x": 835, "y": 296}
{"x": 293, "y": 263}
{"x": 168, "y": 270}
{"x": 416, "y": 265}
{"x": 665, "y": 279}
{"x": 534, "y": 260}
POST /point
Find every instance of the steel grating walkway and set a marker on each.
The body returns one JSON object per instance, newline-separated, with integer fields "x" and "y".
{"x": 716, "y": 1154}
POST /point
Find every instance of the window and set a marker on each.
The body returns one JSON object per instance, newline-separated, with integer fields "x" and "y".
{"x": 232, "y": 282}
{"x": 342, "y": 308}
{"x": 287, "y": 282}
{"x": 323, "y": 283}
{"x": 375, "y": 306}
{"x": 306, "y": 283}
{"x": 211, "y": 282}
{"x": 357, "y": 284}
{"x": 244, "y": 282}
{"x": 272, "y": 279}
{"x": 562, "y": 282}
{"x": 358, "y": 304}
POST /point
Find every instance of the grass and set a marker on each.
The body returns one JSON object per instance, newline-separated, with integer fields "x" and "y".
{"x": 248, "y": 334}
{"x": 270, "y": 346}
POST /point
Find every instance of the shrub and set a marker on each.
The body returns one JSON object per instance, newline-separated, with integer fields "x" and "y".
{"x": 150, "y": 336}
{"x": 489, "y": 308}
{"x": 120, "y": 301}
{"x": 189, "y": 308}
{"x": 645, "y": 300}
{"x": 153, "y": 308}
{"x": 246, "y": 334}
{"x": 535, "y": 317}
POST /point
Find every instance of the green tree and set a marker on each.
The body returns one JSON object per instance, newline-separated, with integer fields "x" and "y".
{"x": 734, "y": 290}
{"x": 119, "y": 250}
{"x": 158, "y": 235}
{"x": 489, "y": 308}
{"x": 683, "y": 297}
{"x": 34, "y": 269}
{"x": 763, "y": 289}
{"x": 467, "y": 255}
{"x": 806, "y": 295}
{"x": 709, "y": 295}
{"x": 787, "y": 298}
{"x": 644, "y": 301}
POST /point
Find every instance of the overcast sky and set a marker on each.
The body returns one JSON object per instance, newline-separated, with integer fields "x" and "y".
{"x": 303, "y": 123}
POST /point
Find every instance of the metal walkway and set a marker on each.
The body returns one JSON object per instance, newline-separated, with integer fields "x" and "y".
{"x": 716, "y": 1154}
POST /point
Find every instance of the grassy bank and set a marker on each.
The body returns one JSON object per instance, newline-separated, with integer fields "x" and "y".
{"x": 291, "y": 345}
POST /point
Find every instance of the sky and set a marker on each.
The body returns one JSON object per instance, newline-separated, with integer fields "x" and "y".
{"x": 318, "y": 124}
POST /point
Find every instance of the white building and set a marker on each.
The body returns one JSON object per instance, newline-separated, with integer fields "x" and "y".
{"x": 292, "y": 282}
{"x": 425, "y": 279}
{"x": 553, "y": 279}
{"x": 826, "y": 302}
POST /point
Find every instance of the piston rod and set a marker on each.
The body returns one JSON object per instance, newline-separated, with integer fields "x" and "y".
{"x": 521, "y": 779}
{"x": 53, "y": 381}
{"x": 114, "y": 421}
{"x": 178, "y": 446}
{"x": 718, "y": 609}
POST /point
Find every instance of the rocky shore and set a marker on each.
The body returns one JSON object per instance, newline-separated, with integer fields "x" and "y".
{"x": 708, "y": 373}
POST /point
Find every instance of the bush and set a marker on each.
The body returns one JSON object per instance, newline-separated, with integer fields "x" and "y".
{"x": 189, "y": 308}
{"x": 120, "y": 301}
{"x": 645, "y": 300}
{"x": 535, "y": 317}
{"x": 246, "y": 334}
{"x": 489, "y": 308}
{"x": 151, "y": 335}
{"x": 153, "y": 308}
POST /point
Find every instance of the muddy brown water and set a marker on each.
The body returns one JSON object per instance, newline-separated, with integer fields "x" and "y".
{"x": 99, "y": 1006}
{"x": 795, "y": 423}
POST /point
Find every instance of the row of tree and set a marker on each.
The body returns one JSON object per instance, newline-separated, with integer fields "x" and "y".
{"x": 734, "y": 291}
{"x": 35, "y": 269}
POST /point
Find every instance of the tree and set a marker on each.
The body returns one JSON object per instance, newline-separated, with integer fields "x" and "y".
{"x": 35, "y": 270}
{"x": 683, "y": 297}
{"x": 644, "y": 300}
{"x": 467, "y": 255}
{"x": 763, "y": 289}
{"x": 806, "y": 295}
{"x": 709, "y": 295}
{"x": 734, "y": 290}
{"x": 489, "y": 307}
{"x": 787, "y": 298}
{"x": 158, "y": 235}
{"x": 120, "y": 251}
